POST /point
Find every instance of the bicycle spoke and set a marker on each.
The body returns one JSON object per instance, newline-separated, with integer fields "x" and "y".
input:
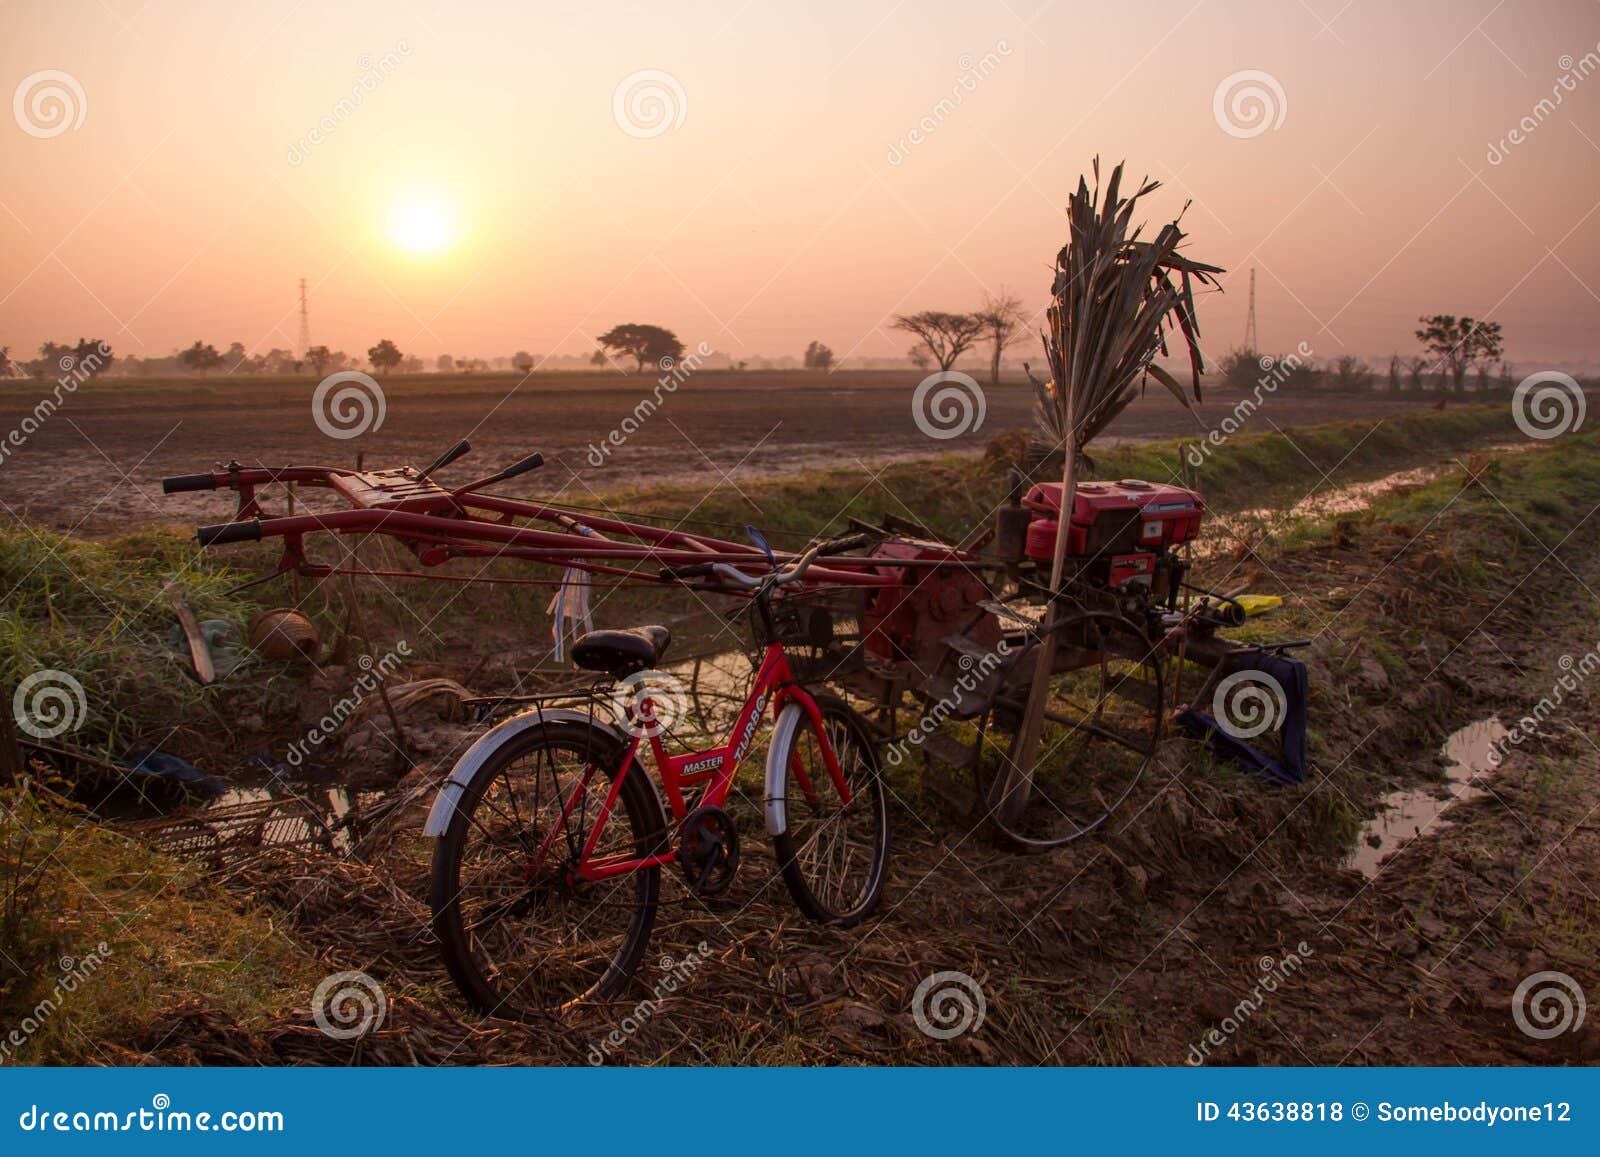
{"x": 537, "y": 934}
{"x": 835, "y": 849}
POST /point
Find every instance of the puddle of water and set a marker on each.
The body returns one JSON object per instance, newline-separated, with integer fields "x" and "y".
{"x": 1343, "y": 499}
{"x": 1358, "y": 496}
{"x": 1409, "y": 814}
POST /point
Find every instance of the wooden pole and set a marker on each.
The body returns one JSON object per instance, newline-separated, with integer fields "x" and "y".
{"x": 1019, "y": 771}
{"x": 199, "y": 652}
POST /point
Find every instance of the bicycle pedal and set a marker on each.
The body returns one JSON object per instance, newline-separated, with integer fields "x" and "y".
{"x": 708, "y": 850}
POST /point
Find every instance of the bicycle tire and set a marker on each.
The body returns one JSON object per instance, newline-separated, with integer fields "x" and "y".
{"x": 847, "y": 901}
{"x": 493, "y": 986}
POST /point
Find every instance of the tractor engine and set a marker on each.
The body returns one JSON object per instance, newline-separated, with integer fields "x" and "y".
{"x": 1122, "y": 536}
{"x": 1123, "y": 539}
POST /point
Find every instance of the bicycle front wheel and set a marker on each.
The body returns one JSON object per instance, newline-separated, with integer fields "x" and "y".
{"x": 833, "y": 854}
{"x": 520, "y": 933}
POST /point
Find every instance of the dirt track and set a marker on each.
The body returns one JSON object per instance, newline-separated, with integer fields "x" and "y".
{"x": 96, "y": 465}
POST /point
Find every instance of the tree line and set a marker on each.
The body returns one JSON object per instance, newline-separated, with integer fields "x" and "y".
{"x": 1458, "y": 355}
{"x": 88, "y": 357}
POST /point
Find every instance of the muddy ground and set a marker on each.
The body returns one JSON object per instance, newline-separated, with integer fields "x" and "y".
{"x": 1212, "y": 921}
{"x": 97, "y": 463}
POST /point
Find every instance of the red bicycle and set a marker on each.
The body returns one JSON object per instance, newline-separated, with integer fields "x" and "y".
{"x": 551, "y": 837}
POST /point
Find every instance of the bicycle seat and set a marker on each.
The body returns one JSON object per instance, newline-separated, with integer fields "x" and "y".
{"x": 621, "y": 653}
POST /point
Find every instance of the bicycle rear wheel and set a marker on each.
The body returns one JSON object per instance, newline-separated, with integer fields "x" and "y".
{"x": 520, "y": 935}
{"x": 833, "y": 855}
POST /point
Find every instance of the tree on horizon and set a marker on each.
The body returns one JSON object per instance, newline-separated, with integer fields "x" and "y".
{"x": 644, "y": 343}
{"x": 1001, "y": 315}
{"x": 385, "y": 356}
{"x": 946, "y": 336}
{"x": 1458, "y": 343}
{"x": 818, "y": 357}
{"x": 200, "y": 357}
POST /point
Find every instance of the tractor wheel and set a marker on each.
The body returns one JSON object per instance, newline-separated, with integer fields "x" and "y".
{"x": 1101, "y": 730}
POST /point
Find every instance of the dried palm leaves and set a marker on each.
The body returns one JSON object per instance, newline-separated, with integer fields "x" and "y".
{"x": 1114, "y": 296}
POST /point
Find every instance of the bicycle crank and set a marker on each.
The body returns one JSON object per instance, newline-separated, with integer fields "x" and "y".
{"x": 708, "y": 850}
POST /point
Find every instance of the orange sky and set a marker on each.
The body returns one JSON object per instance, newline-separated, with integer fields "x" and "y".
{"x": 783, "y": 198}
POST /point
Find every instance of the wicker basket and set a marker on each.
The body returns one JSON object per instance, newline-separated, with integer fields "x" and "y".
{"x": 820, "y": 628}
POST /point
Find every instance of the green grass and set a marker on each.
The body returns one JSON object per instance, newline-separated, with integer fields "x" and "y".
{"x": 170, "y": 939}
{"x": 100, "y": 612}
{"x": 1263, "y": 469}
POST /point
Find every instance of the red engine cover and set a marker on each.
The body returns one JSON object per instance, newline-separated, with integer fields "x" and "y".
{"x": 1168, "y": 515}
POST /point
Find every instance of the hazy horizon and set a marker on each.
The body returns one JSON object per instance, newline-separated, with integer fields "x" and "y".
{"x": 505, "y": 179}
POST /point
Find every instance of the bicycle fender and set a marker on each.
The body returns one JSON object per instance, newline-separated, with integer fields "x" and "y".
{"x": 783, "y": 737}
{"x": 444, "y": 804}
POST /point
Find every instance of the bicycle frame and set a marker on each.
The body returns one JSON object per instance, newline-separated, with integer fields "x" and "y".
{"x": 712, "y": 767}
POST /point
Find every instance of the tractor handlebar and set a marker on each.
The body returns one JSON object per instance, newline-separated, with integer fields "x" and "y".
{"x": 225, "y": 532}
{"x": 182, "y": 483}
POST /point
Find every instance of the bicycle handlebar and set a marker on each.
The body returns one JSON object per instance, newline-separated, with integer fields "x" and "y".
{"x": 776, "y": 578}
{"x": 693, "y": 570}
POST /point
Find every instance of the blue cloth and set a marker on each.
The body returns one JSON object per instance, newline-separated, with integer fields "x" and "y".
{"x": 1290, "y": 674}
{"x": 175, "y": 771}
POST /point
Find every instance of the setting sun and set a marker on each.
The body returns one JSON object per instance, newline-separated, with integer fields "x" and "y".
{"x": 421, "y": 225}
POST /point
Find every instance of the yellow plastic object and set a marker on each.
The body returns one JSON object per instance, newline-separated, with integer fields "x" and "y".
{"x": 1258, "y": 604}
